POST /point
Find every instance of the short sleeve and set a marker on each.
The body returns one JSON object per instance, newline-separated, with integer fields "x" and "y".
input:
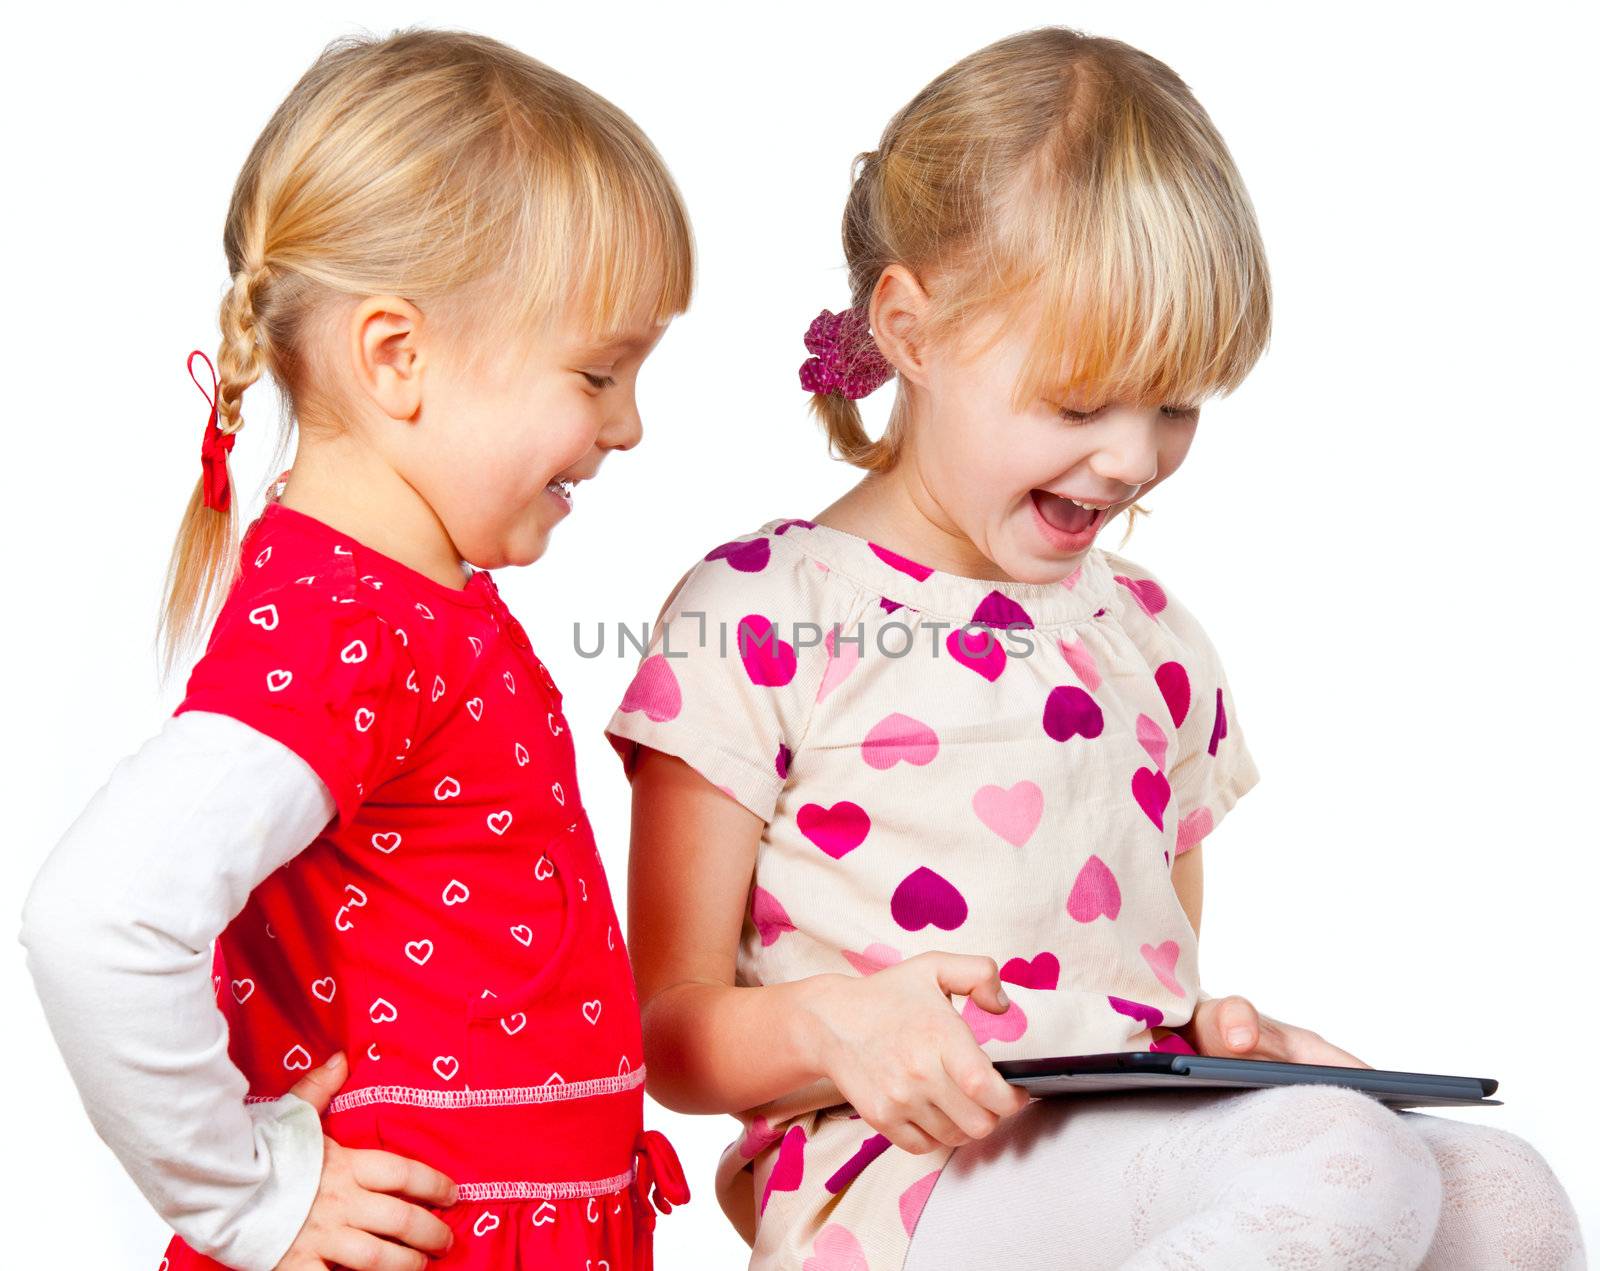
{"x": 326, "y": 676}
{"x": 732, "y": 670}
{"x": 1213, "y": 767}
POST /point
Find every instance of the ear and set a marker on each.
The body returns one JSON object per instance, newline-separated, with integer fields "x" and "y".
{"x": 386, "y": 354}
{"x": 896, "y": 312}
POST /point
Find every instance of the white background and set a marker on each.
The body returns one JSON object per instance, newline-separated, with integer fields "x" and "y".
{"x": 1387, "y": 531}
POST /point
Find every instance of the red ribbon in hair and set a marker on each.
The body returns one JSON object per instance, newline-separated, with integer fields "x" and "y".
{"x": 214, "y": 449}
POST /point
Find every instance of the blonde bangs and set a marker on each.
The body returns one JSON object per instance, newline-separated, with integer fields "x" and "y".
{"x": 1071, "y": 184}
{"x": 591, "y": 227}
{"x": 1146, "y": 267}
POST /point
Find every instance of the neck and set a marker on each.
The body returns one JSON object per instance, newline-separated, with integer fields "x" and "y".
{"x": 349, "y": 487}
{"x": 895, "y": 510}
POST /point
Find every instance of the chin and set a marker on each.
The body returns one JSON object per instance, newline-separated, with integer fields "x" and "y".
{"x": 1042, "y": 571}
{"x": 1039, "y": 566}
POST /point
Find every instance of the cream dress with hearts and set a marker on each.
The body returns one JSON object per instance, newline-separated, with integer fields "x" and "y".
{"x": 942, "y": 763}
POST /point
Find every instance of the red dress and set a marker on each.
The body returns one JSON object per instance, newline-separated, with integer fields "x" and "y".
{"x": 451, "y": 929}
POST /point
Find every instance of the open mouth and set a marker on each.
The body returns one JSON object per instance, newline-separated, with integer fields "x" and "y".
{"x": 561, "y": 487}
{"x": 1067, "y": 515}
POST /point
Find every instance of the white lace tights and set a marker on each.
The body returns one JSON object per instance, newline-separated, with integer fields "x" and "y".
{"x": 1293, "y": 1177}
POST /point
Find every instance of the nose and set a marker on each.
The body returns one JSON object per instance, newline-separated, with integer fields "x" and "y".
{"x": 1131, "y": 451}
{"x": 623, "y": 428}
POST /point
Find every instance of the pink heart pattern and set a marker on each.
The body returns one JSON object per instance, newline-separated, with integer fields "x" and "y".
{"x": 1151, "y": 791}
{"x": 1162, "y": 959}
{"x": 1193, "y": 828}
{"x": 790, "y": 1166}
{"x": 769, "y": 916}
{"x": 842, "y": 659}
{"x": 747, "y": 557}
{"x": 925, "y": 897}
{"x": 1149, "y": 1016}
{"x": 1094, "y": 892}
{"x": 1011, "y": 813}
{"x": 1043, "y": 971}
{"x": 836, "y": 1249}
{"x": 654, "y": 690}
{"x": 768, "y": 660}
{"x": 838, "y": 830}
{"x": 988, "y": 1027}
{"x": 909, "y": 567}
{"x": 979, "y": 651}
{"x": 873, "y": 958}
{"x": 1152, "y": 738}
{"x": 1173, "y": 681}
{"x": 1147, "y": 592}
{"x": 1081, "y": 661}
{"x": 896, "y": 738}
{"x": 1070, "y": 712}
{"x": 914, "y": 1198}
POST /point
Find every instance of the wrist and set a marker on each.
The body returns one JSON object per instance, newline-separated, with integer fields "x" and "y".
{"x": 809, "y": 1037}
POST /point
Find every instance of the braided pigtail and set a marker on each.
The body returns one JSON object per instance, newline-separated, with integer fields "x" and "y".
{"x": 203, "y": 562}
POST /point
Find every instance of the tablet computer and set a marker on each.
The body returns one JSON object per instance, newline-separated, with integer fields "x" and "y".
{"x": 1148, "y": 1070}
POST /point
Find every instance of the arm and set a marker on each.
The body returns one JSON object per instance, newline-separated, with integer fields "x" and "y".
{"x": 1187, "y": 881}
{"x": 890, "y": 1043}
{"x": 709, "y": 1047}
{"x": 118, "y": 926}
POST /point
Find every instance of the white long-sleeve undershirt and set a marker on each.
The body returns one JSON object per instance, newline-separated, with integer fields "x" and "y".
{"x": 118, "y": 927}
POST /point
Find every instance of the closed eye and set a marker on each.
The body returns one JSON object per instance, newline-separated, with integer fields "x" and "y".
{"x": 598, "y": 381}
{"x": 1083, "y": 416}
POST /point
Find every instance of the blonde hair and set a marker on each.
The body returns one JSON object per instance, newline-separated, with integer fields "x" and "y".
{"x": 1081, "y": 172}
{"x": 453, "y": 170}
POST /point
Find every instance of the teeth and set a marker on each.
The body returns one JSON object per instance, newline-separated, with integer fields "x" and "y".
{"x": 1089, "y": 507}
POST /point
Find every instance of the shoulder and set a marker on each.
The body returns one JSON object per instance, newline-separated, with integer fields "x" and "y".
{"x": 1151, "y": 609}
{"x": 298, "y": 630}
{"x": 766, "y": 572}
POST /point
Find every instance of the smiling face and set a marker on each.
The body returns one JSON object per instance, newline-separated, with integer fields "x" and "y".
{"x": 496, "y": 448}
{"x": 1006, "y": 477}
{"x": 991, "y": 482}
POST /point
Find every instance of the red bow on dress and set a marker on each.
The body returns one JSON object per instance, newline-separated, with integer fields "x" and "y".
{"x": 658, "y": 1177}
{"x": 214, "y": 448}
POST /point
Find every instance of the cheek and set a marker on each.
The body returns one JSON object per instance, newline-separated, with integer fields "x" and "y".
{"x": 1174, "y": 447}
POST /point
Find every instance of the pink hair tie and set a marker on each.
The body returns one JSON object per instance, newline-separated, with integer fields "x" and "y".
{"x": 847, "y": 359}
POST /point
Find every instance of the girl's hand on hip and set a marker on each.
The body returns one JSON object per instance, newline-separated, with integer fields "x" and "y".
{"x": 358, "y": 1218}
{"x": 904, "y": 1059}
{"x": 1232, "y": 1028}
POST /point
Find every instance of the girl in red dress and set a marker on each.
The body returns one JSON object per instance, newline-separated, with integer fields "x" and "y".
{"x": 416, "y": 1041}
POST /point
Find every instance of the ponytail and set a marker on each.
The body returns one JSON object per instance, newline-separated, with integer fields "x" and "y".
{"x": 204, "y": 559}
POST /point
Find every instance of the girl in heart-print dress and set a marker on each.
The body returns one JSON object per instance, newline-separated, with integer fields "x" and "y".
{"x": 947, "y": 797}
{"x": 921, "y": 782}
{"x": 332, "y": 960}
{"x": 451, "y": 930}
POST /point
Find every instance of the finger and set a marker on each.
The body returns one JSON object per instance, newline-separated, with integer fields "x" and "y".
{"x": 348, "y": 1247}
{"x": 319, "y": 1085}
{"x": 974, "y": 1075}
{"x": 933, "y": 1121}
{"x": 409, "y": 1224}
{"x": 1311, "y": 1048}
{"x": 1233, "y": 1027}
{"x": 401, "y": 1176}
{"x": 970, "y": 1117}
{"x": 904, "y": 1135}
{"x": 973, "y": 976}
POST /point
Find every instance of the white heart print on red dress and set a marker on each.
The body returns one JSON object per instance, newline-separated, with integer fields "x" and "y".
{"x": 436, "y": 886}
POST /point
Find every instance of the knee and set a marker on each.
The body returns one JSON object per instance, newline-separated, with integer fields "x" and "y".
{"x": 1363, "y": 1172}
{"x": 1503, "y": 1205}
